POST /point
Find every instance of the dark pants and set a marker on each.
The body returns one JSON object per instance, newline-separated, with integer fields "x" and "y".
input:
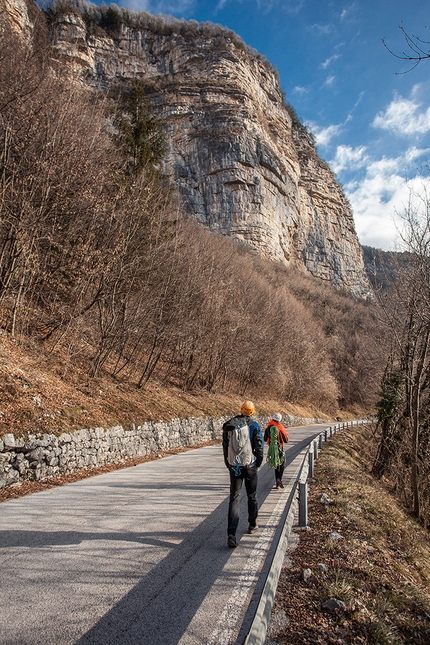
{"x": 250, "y": 477}
{"x": 279, "y": 471}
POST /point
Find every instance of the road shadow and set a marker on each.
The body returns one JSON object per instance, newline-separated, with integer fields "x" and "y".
{"x": 160, "y": 607}
{"x": 158, "y": 610}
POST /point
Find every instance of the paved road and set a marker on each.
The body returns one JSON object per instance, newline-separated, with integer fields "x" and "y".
{"x": 136, "y": 556}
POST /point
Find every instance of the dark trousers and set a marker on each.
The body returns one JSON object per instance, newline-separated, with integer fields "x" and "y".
{"x": 279, "y": 471}
{"x": 250, "y": 477}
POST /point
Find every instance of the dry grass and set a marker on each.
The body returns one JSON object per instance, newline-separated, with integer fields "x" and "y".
{"x": 49, "y": 393}
{"x": 380, "y": 567}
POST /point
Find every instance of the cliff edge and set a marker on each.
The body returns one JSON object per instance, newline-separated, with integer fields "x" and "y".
{"x": 243, "y": 163}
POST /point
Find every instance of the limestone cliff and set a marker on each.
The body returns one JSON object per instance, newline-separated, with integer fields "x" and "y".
{"x": 243, "y": 163}
{"x": 17, "y": 12}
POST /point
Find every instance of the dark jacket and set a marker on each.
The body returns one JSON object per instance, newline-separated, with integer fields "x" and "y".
{"x": 255, "y": 437}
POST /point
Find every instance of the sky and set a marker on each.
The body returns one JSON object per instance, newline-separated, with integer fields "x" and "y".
{"x": 368, "y": 110}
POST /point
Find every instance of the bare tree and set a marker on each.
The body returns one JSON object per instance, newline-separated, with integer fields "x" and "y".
{"x": 56, "y": 170}
{"x": 416, "y": 50}
{"x": 404, "y": 406}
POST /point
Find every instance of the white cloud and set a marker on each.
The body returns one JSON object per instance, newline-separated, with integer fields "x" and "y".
{"x": 300, "y": 90}
{"x": 375, "y": 201}
{"x": 175, "y": 7}
{"x": 329, "y": 80}
{"x": 328, "y": 61}
{"x": 358, "y": 101}
{"x": 137, "y": 5}
{"x": 321, "y": 30}
{"x": 384, "y": 167}
{"x": 348, "y": 11}
{"x": 381, "y": 195}
{"x": 323, "y": 136}
{"x": 403, "y": 116}
{"x": 415, "y": 153}
{"x": 292, "y": 7}
{"x": 347, "y": 158}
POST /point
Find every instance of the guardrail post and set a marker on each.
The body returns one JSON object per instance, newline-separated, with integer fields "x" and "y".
{"x": 303, "y": 504}
{"x": 311, "y": 463}
{"x": 325, "y": 435}
{"x": 315, "y": 450}
{"x": 320, "y": 442}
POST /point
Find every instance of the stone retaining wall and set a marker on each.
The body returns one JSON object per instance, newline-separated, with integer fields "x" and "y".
{"x": 39, "y": 457}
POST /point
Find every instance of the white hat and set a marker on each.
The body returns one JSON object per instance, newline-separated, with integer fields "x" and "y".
{"x": 277, "y": 417}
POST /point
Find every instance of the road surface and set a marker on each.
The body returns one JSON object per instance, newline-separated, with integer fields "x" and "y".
{"x": 137, "y": 556}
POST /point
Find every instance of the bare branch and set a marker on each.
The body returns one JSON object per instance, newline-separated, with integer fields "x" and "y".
{"x": 417, "y": 50}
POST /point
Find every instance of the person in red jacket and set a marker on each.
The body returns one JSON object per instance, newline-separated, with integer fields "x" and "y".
{"x": 275, "y": 430}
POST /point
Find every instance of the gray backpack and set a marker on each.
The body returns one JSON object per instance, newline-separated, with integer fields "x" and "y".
{"x": 239, "y": 444}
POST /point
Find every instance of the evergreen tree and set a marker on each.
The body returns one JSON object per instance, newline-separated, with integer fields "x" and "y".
{"x": 139, "y": 131}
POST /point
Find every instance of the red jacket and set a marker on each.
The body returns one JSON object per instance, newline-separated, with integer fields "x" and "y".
{"x": 282, "y": 433}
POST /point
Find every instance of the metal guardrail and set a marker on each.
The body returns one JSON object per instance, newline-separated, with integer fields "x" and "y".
{"x": 256, "y": 620}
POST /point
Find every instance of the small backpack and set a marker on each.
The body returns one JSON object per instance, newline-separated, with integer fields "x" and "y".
{"x": 274, "y": 454}
{"x": 239, "y": 444}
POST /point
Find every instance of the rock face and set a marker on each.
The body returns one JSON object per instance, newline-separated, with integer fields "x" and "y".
{"x": 383, "y": 268}
{"x": 244, "y": 165}
{"x": 18, "y": 16}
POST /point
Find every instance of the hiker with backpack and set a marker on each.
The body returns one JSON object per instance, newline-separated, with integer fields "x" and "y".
{"x": 242, "y": 442}
{"x": 276, "y": 436}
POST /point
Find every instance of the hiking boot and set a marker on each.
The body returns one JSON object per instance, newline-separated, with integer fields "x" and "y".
{"x": 281, "y": 485}
{"x": 252, "y": 529}
{"x": 231, "y": 542}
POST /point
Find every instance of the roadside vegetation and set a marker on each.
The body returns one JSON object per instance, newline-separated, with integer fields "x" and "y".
{"x": 404, "y": 404}
{"x": 362, "y": 550}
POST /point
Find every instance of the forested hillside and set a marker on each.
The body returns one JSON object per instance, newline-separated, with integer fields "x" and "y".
{"x": 98, "y": 259}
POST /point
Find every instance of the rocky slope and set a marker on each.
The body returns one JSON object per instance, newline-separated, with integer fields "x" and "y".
{"x": 244, "y": 165}
{"x": 385, "y": 268}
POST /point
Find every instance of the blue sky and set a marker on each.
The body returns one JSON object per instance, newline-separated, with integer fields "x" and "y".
{"x": 371, "y": 120}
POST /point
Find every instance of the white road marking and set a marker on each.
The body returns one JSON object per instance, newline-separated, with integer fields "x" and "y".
{"x": 225, "y": 627}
